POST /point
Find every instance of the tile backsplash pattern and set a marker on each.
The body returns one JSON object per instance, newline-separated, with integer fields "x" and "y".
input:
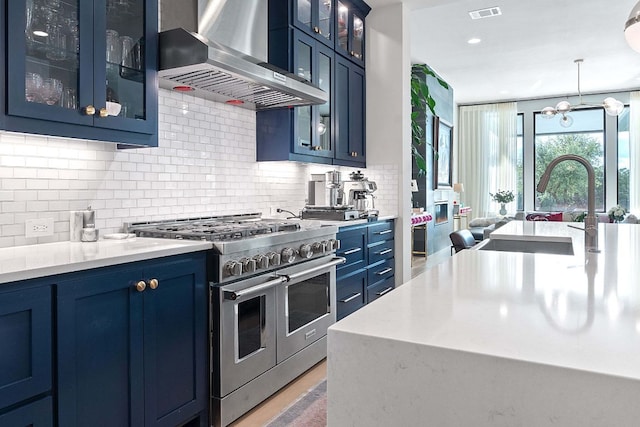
{"x": 204, "y": 165}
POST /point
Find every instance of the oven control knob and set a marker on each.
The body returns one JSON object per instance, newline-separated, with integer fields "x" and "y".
{"x": 305, "y": 251}
{"x": 333, "y": 244}
{"x": 261, "y": 261}
{"x": 274, "y": 258}
{"x": 248, "y": 265}
{"x": 288, "y": 255}
{"x": 319, "y": 247}
{"x": 233, "y": 268}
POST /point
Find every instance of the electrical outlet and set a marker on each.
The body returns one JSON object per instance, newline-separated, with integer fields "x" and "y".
{"x": 41, "y": 227}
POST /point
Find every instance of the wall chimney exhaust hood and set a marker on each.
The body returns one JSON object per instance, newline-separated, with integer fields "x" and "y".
{"x": 217, "y": 49}
{"x": 190, "y": 62}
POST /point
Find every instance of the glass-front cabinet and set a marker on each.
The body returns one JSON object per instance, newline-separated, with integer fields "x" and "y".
{"x": 313, "y": 124}
{"x": 315, "y": 17}
{"x": 85, "y": 69}
{"x": 350, "y": 30}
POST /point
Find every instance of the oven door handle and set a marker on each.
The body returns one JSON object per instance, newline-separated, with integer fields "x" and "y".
{"x": 334, "y": 261}
{"x": 235, "y": 295}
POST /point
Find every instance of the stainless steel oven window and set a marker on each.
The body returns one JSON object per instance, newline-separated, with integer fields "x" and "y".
{"x": 307, "y": 301}
{"x": 250, "y": 326}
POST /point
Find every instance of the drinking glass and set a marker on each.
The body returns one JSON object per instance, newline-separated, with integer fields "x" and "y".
{"x": 32, "y": 86}
{"x": 69, "y": 99}
{"x": 114, "y": 49}
{"x": 127, "y": 45}
{"x": 56, "y": 43}
{"x": 51, "y": 91}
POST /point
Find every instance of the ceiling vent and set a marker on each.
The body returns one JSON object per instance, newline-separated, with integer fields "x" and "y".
{"x": 485, "y": 13}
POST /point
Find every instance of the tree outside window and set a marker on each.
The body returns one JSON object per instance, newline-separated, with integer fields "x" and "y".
{"x": 623, "y": 159}
{"x": 567, "y": 189}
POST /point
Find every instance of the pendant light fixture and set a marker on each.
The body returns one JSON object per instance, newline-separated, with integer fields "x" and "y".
{"x": 612, "y": 106}
{"x": 632, "y": 28}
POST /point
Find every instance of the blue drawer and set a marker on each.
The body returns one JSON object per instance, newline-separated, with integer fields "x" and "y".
{"x": 379, "y": 289}
{"x": 380, "y": 231}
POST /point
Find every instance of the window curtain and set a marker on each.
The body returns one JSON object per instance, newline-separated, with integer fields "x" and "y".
{"x": 634, "y": 153}
{"x": 487, "y": 155}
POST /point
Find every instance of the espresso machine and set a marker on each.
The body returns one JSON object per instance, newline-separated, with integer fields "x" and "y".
{"x": 359, "y": 193}
{"x": 326, "y": 199}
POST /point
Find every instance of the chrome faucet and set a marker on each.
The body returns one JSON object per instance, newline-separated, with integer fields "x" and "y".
{"x": 590, "y": 221}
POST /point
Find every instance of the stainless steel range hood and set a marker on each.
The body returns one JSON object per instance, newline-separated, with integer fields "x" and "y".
{"x": 198, "y": 62}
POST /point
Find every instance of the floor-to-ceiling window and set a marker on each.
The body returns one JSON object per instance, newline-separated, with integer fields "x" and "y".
{"x": 623, "y": 159}
{"x": 567, "y": 189}
{"x": 520, "y": 162}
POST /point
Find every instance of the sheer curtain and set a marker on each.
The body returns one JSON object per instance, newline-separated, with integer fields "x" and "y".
{"x": 634, "y": 153}
{"x": 487, "y": 154}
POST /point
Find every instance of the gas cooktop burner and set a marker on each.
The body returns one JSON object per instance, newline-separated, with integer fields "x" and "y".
{"x": 213, "y": 228}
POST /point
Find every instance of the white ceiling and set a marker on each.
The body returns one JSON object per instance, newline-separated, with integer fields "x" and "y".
{"x": 528, "y": 51}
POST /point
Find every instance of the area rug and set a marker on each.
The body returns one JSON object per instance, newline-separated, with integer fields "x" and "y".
{"x": 308, "y": 411}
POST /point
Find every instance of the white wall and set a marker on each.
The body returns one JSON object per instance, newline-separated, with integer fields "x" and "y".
{"x": 204, "y": 165}
{"x": 389, "y": 113}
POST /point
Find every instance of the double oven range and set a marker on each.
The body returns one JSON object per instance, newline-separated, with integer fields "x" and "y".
{"x": 272, "y": 289}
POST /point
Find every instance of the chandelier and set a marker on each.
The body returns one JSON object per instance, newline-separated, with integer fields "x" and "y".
{"x": 612, "y": 106}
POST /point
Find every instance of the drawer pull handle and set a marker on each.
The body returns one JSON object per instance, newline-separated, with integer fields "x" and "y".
{"x": 386, "y": 251}
{"x": 352, "y": 251}
{"x": 153, "y": 283}
{"x": 385, "y": 271}
{"x": 384, "y": 232}
{"x": 352, "y": 297}
{"x": 389, "y": 289}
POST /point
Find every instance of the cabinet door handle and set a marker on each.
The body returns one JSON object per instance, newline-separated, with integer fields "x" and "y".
{"x": 352, "y": 251}
{"x": 103, "y": 112}
{"x": 384, "y": 291}
{"x": 354, "y": 154}
{"x": 386, "y": 251}
{"x": 153, "y": 283}
{"x": 89, "y": 110}
{"x": 384, "y": 232}
{"x": 141, "y": 286}
{"x": 352, "y": 297}
{"x": 317, "y": 30}
{"x": 385, "y": 271}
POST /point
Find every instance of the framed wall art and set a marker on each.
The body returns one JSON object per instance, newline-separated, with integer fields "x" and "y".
{"x": 443, "y": 154}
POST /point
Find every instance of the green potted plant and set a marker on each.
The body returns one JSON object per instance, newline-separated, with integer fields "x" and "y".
{"x": 503, "y": 197}
{"x": 421, "y": 100}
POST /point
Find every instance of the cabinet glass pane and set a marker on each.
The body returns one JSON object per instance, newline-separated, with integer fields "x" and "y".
{"x": 303, "y": 53}
{"x": 324, "y": 18}
{"x": 343, "y": 22}
{"x": 125, "y": 84}
{"x": 51, "y": 63}
{"x": 304, "y": 12}
{"x": 358, "y": 37}
{"x": 324, "y": 82}
{"x": 303, "y": 122}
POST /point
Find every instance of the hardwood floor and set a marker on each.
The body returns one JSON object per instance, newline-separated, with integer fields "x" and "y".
{"x": 270, "y": 408}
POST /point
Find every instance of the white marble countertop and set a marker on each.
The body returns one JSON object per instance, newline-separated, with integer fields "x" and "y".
{"x": 580, "y": 312}
{"x": 32, "y": 261}
{"x": 349, "y": 223}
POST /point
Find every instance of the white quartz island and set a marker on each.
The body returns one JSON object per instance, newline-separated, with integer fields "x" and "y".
{"x": 492, "y": 338}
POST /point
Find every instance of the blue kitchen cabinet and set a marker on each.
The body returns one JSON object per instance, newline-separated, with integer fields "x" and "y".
{"x": 25, "y": 351}
{"x": 132, "y": 344}
{"x": 34, "y": 414}
{"x": 314, "y": 17}
{"x": 369, "y": 270}
{"x": 333, "y": 133}
{"x": 81, "y": 69}
{"x": 301, "y": 133}
{"x": 350, "y": 29}
{"x": 350, "y": 144}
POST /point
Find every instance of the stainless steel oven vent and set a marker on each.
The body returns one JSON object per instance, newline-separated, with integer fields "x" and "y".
{"x": 191, "y": 62}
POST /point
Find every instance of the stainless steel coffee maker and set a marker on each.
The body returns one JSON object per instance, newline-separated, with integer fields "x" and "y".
{"x": 359, "y": 193}
{"x": 326, "y": 189}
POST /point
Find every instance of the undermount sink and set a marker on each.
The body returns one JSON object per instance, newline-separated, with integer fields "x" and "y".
{"x": 564, "y": 247}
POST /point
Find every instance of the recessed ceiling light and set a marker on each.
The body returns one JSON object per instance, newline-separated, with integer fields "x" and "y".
{"x": 474, "y": 40}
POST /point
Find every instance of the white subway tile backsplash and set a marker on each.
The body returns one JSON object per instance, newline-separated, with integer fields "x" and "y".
{"x": 204, "y": 165}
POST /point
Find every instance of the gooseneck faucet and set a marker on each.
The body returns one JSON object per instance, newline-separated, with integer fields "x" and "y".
{"x": 590, "y": 221}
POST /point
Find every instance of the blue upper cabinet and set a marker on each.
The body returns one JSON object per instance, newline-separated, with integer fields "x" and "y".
{"x": 302, "y": 41}
{"x": 301, "y": 133}
{"x": 349, "y": 28}
{"x": 82, "y": 69}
